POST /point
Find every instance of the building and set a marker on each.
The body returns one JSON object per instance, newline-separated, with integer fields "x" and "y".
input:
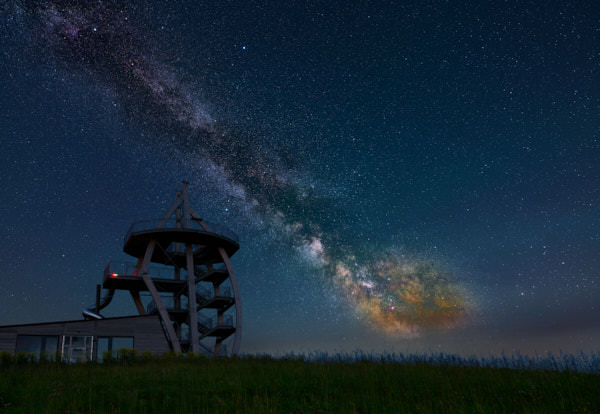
{"x": 181, "y": 282}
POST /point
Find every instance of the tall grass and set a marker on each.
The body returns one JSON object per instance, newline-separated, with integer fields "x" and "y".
{"x": 580, "y": 362}
{"x": 314, "y": 383}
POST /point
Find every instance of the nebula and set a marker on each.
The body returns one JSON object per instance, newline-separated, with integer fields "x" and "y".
{"x": 391, "y": 293}
{"x": 401, "y": 296}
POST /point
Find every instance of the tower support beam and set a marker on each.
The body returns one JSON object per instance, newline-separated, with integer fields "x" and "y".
{"x": 162, "y": 311}
{"x": 135, "y": 295}
{"x": 192, "y": 315}
{"x": 238, "y": 301}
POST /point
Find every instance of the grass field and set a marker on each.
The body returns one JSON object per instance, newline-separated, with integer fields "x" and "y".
{"x": 290, "y": 385}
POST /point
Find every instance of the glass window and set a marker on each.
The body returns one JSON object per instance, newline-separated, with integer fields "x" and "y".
{"x": 77, "y": 348}
{"x": 102, "y": 347}
{"x": 112, "y": 343}
{"x": 29, "y": 343}
{"x": 36, "y": 344}
{"x": 51, "y": 345}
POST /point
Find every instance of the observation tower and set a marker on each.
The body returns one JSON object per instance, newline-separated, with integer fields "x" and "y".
{"x": 183, "y": 273}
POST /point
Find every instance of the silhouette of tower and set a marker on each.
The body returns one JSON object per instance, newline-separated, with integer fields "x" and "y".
{"x": 183, "y": 263}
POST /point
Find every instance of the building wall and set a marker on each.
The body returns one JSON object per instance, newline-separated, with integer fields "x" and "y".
{"x": 8, "y": 341}
{"x": 147, "y": 331}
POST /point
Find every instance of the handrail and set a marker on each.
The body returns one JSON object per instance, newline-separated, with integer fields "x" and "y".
{"x": 210, "y": 322}
{"x": 173, "y": 224}
{"x": 120, "y": 268}
{"x": 208, "y": 294}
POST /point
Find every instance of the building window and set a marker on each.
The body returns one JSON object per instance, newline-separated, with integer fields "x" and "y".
{"x": 37, "y": 345}
{"x": 77, "y": 348}
{"x": 113, "y": 344}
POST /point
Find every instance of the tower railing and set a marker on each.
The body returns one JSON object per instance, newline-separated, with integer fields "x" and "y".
{"x": 173, "y": 224}
{"x": 116, "y": 269}
{"x": 206, "y": 294}
{"x": 210, "y": 323}
{"x": 168, "y": 302}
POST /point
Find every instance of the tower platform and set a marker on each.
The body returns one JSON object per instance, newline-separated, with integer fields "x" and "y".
{"x": 206, "y": 243}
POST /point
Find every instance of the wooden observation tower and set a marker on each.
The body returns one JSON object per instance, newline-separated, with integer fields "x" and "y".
{"x": 182, "y": 272}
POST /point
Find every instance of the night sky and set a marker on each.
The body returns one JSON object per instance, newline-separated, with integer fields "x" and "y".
{"x": 403, "y": 176}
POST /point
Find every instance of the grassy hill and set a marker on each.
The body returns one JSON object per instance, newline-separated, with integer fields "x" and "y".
{"x": 265, "y": 385}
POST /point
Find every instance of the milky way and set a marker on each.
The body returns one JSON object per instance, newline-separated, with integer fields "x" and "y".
{"x": 395, "y": 293}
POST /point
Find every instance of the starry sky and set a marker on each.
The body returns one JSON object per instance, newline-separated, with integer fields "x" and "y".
{"x": 403, "y": 176}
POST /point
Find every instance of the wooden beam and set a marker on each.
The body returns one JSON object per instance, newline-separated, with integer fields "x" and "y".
{"x": 162, "y": 311}
{"x": 177, "y": 296}
{"x": 170, "y": 211}
{"x": 192, "y": 308}
{"x": 135, "y": 294}
{"x": 186, "y": 205}
{"x": 197, "y": 217}
{"x": 138, "y": 266}
{"x": 218, "y": 346}
{"x": 178, "y": 215}
{"x": 238, "y": 302}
